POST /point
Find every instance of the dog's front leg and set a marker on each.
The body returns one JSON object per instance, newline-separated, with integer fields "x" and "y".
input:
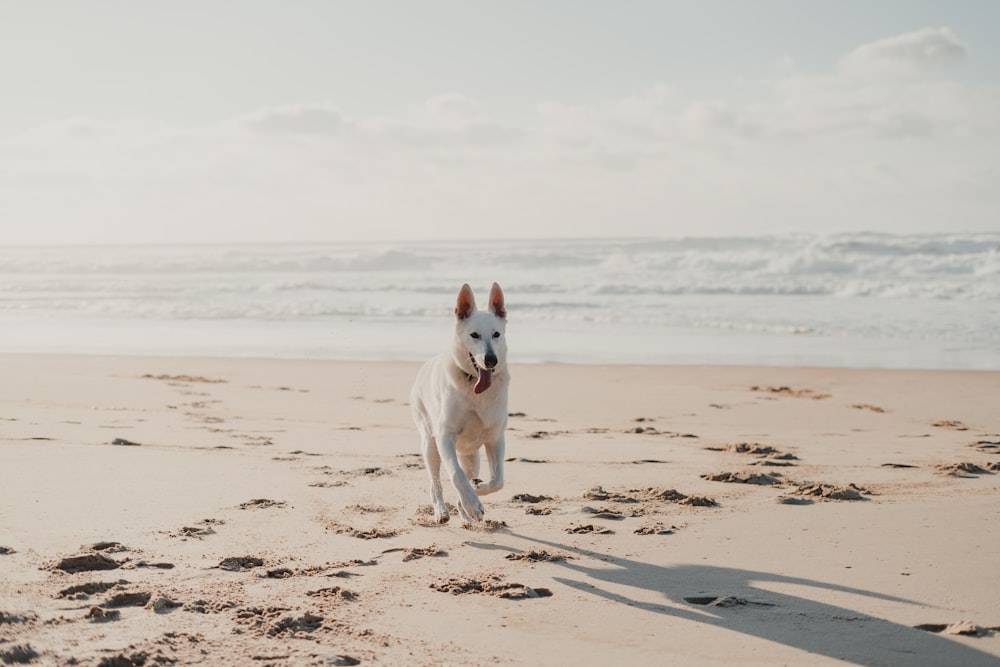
{"x": 494, "y": 458}
{"x": 432, "y": 461}
{"x": 469, "y": 506}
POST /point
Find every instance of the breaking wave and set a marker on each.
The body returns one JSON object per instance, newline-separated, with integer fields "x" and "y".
{"x": 865, "y": 286}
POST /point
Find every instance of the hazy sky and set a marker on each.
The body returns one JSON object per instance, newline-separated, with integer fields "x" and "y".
{"x": 293, "y": 121}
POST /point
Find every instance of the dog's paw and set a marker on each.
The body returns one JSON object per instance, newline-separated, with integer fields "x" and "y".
{"x": 471, "y": 511}
{"x": 441, "y": 514}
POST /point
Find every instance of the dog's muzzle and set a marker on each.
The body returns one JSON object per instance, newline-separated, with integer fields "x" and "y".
{"x": 485, "y": 378}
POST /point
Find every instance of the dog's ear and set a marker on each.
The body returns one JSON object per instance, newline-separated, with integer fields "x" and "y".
{"x": 496, "y": 302}
{"x": 466, "y": 302}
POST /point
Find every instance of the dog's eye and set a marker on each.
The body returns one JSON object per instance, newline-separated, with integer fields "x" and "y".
{"x": 475, "y": 334}
{"x": 496, "y": 334}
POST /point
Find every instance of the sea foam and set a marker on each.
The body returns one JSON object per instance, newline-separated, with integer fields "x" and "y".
{"x": 847, "y": 299}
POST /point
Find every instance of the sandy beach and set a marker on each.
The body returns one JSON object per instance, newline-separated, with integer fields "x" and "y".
{"x": 271, "y": 512}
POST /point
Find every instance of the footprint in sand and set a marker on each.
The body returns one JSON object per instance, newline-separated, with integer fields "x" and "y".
{"x": 84, "y": 591}
{"x": 487, "y": 526}
{"x": 648, "y": 496}
{"x": 761, "y": 479}
{"x": 354, "y": 562}
{"x": 598, "y": 493}
{"x": 240, "y": 563}
{"x": 162, "y": 604}
{"x": 950, "y": 424}
{"x": 262, "y": 503}
{"x": 27, "y": 618}
{"x": 765, "y": 454}
{"x": 159, "y": 566}
{"x": 199, "y": 531}
{"x": 656, "y": 529}
{"x": 987, "y": 446}
{"x": 788, "y": 391}
{"x": 87, "y": 563}
{"x": 649, "y": 430}
{"x": 205, "y": 607}
{"x": 255, "y": 440}
{"x": 492, "y": 585}
{"x": 868, "y": 406}
{"x": 538, "y": 511}
{"x": 754, "y": 449}
{"x": 964, "y": 628}
{"x": 184, "y": 378}
{"x": 99, "y": 615}
{"x": 768, "y": 463}
{"x": 18, "y": 654}
{"x": 967, "y": 469}
{"x": 831, "y": 492}
{"x": 138, "y": 599}
{"x": 416, "y": 553}
{"x": 793, "y": 500}
{"x": 544, "y": 435}
{"x": 274, "y": 622}
{"x": 334, "y": 593}
{"x": 374, "y": 533}
{"x": 529, "y": 498}
{"x": 279, "y": 573}
{"x": 368, "y": 509}
{"x": 603, "y": 513}
{"x": 588, "y": 529}
{"x": 539, "y": 556}
{"x": 370, "y": 472}
{"x": 328, "y": 485}
{"x": 725, "y": 601}
{"x": 533, "y": 501}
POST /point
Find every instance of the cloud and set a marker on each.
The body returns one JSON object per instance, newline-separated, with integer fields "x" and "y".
{"x": 792, "y": 148}
{"x": 444, "y": 121}
{"x": 452, "y": 108}
{"x": 911, "y": 54}
{"x": 295, "y": 120}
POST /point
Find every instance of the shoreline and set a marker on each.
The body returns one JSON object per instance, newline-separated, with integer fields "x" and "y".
{"x": 253, "y": 359}
{"x": 272, "y": 511}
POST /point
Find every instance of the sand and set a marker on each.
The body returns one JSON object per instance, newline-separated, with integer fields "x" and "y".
{"x": 265, "y": 512}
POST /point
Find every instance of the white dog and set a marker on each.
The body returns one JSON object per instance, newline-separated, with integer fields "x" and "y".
{"x": 459, "y": 403}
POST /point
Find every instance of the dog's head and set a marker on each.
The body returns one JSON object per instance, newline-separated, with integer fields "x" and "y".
{"x": 481, "y": 342}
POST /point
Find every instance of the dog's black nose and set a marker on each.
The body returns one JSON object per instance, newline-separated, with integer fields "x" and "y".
{"x": 490, "y": 360}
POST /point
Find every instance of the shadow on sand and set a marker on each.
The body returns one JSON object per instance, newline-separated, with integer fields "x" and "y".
{"x": 728, "y": 598}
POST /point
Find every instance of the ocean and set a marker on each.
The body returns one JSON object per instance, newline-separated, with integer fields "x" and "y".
{"x": 859, "y": 300}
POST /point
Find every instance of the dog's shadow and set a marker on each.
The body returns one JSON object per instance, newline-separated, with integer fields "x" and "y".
{"x": 728, "y": 598}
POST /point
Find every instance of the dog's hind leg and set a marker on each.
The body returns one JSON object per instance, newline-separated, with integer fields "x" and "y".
{"x": 432, "y": 461}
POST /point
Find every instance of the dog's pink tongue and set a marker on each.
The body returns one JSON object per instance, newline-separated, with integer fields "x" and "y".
{"x": 484, "y": 381}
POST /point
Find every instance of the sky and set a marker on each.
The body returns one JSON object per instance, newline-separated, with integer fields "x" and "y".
{"x": 297, "y": 121}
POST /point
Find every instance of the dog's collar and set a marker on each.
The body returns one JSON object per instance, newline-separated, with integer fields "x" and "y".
{"x": 475, "y": 366}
